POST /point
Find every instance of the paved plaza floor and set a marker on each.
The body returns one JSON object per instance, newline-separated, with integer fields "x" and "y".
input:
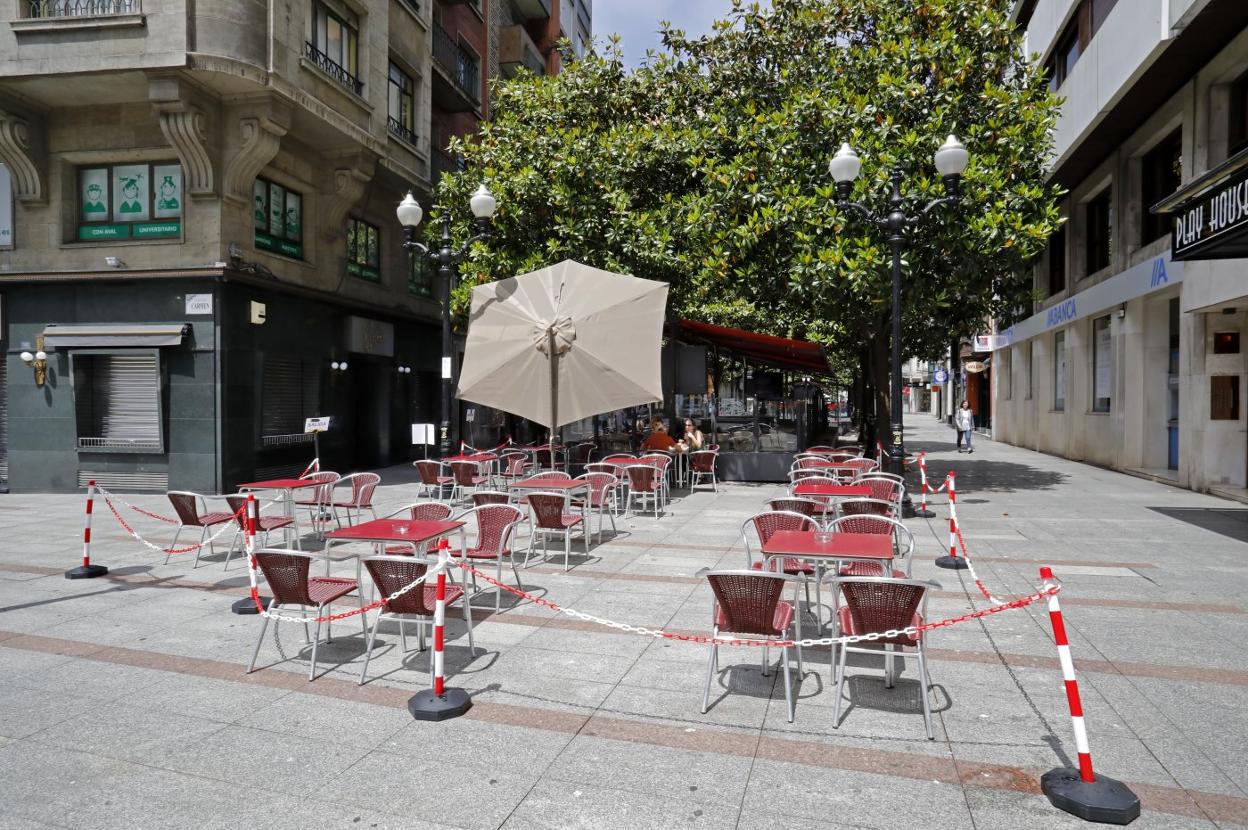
{"x": 124, "y": 701}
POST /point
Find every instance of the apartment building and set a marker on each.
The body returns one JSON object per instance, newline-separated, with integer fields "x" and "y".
{"x": 1133, "y": 359}
{"x": 201, "y": 249}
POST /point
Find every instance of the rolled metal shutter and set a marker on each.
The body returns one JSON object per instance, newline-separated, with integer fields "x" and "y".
{"x": 125, "y": 401}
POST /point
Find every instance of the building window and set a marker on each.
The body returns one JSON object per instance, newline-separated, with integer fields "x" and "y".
{"x": 130, "y": 201}
{"x": 402, "y": 105}
{"x": 1007, "y": 373}
{"x": 1031, "y": 369}
{"x": 1226, "y": 342}
{"x": 334, "y": 46}
{"x": 1098, "y": 232}
{"x": 1074, "y": 40}
{"x": 1102, "y": 364}
{"x": 1057, "y": 261}
{"x": 289, "y": 393}
{"x": 1059, "y": 371}
{"x": 1237, "y": 138}
{"x": 363, "y": 250}
{"x": 1224, "y": 398}
{"x": 278, "y": 219}
{"x": 117, "y": 401}
{"x": 420, "y": 277}
{"x": 1161, "y": 172}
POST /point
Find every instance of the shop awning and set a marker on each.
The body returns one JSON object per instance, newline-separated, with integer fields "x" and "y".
{"x": 166, "y": 334}
{"x": 780, "y": 352}
{"x": 1210, "y": 213}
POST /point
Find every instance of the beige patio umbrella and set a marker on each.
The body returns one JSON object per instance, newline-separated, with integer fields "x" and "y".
{"x": 564, "y": 343}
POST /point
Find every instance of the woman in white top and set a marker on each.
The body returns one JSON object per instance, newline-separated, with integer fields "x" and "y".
{"x": 964, "y": 420}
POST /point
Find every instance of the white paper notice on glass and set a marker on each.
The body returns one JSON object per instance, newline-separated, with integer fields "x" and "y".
{"x": 424, "y": 434}
{"x": 1103, "y": 381}
{"x": 198, "y": 303}
{"x": 446, "y": 368}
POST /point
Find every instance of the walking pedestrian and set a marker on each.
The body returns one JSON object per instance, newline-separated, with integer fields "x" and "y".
{"x": 964, "y": 420}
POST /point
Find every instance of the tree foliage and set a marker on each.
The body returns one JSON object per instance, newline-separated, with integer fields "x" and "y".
{"x": 707, "y": 168}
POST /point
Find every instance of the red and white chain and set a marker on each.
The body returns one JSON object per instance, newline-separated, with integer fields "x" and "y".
{"x": 225, "y": 526}
{"x": 909, "y": 631}
{"x": 135, "y": 507}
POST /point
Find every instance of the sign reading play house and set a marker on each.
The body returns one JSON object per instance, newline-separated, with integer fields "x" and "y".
{"x": 1214, "y": 225}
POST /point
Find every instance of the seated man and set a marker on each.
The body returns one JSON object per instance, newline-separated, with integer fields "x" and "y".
{"x": 658, "y": 438}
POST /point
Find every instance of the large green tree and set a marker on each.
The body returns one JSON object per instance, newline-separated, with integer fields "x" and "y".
{"x": 707, "y": 168}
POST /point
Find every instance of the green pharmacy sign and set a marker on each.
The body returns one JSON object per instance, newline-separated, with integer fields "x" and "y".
{"x": 265, "y": 242}
{"x": 92, "y": 233}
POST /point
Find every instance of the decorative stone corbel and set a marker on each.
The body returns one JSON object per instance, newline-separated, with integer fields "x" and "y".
{"x": 351, "y": 174}
{"x": 260, "y": 137}
{"x": 186, "y": 129}
{"x": 22, "y": 152}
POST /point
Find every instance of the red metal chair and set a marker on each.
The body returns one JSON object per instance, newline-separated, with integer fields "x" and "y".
{"x": 550, "y": 458}
{"x": 796, "y": 504}
{"x": 662, "y": 462}
{"x": 321, "y": 497}
{"x": 855, "y": 467}
{"x": 867, "y": 507}
{"x": 286, "y": 573}
{"x": 513, "y": 466}
{"x": 363, "y": 485}
{"x": 192, "y": 511}
{"x": 601, "y": 497}
{"x": 749, "y": 605}
{"x": 702, "y": 465}
{"x": 421, "y": 511}
{"x": 550, "y": 515}
{"x": 392, "y": 573}
{"x": 644, "y": 482}
{"x": 903, "y": 543}
{"x": 264, "y": 525}
{"x": 483, "y": 497}
{"x": 875, "y": 605}
{"x": 495, "y": 525}
{"x": 433, "y": 478}
{"x": 466, "y": 475}
{"x": 821, "y": 448}
{"x": 766, "y": 525}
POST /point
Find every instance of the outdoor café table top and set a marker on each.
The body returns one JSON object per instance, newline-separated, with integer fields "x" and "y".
{"x": 550, "y": 484}
{"x": 822, "y": 463}
{"x": 624, "y": 462}
{"x": 481, "y": 456}
{"x": 874, "y": 546}
{"x": 280, "y": 484}
{"x": 394, "y": 530}
{"x": 818, "y": 488}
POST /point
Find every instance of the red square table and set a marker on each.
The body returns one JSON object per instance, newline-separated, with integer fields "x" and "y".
{"x": 380, "y": 531}
{"x": 287, "y": 487}
{"x": 803, "y": 544}
{"x": 837, "y": 491}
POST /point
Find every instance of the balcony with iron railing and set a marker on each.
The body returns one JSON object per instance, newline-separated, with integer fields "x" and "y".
{"x": 516, "y": 49}
{"x": 443, "y": 162}
{"x": 397, "y": 128}
{"x": 332, "y": 68}
{"x": 461, "y": 68}
{"x": 80, "y": 8}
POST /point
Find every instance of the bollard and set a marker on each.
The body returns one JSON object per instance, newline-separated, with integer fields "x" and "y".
{"x": 247, "y": 605}
{"x": 86, "y": 570}
{"x": 923, "y": 512}
{"x": 440, "y": 703}
{"x": 952, "y": 562}
{"x": 1080, "y": 792}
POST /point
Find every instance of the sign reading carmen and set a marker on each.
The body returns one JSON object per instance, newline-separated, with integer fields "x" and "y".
{"x": 1211, "y": 216}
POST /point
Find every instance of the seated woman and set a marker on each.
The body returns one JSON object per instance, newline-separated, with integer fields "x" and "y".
{"x": 658, "y": 438}
{"x": 694, "y": 439}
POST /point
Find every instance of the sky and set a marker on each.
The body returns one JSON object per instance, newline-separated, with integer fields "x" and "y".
{"x": 637, "y": 21}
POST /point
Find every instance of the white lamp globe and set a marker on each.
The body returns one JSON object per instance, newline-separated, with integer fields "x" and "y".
{"x": 845, "y": 165}
{"x": 951, "y": 159}
{"x": 27, "y": 357}
{"x": 334, "y": 365}
{"x": 41, "y": 355}
{"x": 483, "y": 203}
{"x": 343, "y": 365}
{"x": 409, "y": 211}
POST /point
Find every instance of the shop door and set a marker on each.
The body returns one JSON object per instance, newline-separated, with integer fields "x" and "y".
{"x": 1172, "y": 390}
{"x": 372, "y": 383}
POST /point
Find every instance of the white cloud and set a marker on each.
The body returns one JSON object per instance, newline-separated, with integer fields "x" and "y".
{"x": 637, "y": 21}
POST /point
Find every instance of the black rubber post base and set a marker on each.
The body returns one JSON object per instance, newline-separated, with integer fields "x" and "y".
{"x": 953, "y": 563}
{"x": 86, "y": 572}
{"x": 924, "y": 513}
{"x": 450, "y": 704}
{"x": 1104, "y": 800}
{"x": 247, "y": 605}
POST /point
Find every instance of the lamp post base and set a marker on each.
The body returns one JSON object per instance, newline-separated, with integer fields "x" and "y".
{"x": 247, "y": 605}
{"x": 86, "y": 572}
{"x": 953, "y": 563}
{"x": 923, "y": 513}
{"x": 1104, "y": 800}
{"x": 429, "y": 706}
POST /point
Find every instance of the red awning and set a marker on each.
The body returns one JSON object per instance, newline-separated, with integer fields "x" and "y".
{"x": 795, "y": 355}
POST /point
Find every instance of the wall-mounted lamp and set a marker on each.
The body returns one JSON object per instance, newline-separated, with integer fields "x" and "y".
{"x": 114, "y": 262}
{"x": 405, "y": 370}
{"x": 338, "y": 367}
{"x": 1122, "y": 311}
{"x": 37, "y": 361}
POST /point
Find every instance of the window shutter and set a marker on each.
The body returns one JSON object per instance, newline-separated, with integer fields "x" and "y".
{"x": 283, "y": 397}
{"x": 124, "y": 395}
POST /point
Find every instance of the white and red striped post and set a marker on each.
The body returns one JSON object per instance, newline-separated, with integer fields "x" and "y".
{"x": 87, "y": 570}
{"x": 953, "y": 562}
{"x": 923, "y": 512}
{"x": 440, "y": 703}
{"x": 254, "y": 603}
{"x": 313, "y": 467}
{"x": 1081, "y": 792}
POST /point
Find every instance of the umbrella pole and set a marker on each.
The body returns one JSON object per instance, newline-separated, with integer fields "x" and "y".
{"x": 554, "y": 394}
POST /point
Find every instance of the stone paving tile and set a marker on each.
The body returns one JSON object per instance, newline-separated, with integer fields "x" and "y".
{"x": 23, "y": 712}
{"x": 555, "y": 805}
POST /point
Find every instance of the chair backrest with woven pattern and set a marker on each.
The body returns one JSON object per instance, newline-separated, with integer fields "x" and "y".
{"x": 882, "y": 604}
{"x": 581, "y": 453}
{"x": 703, "y": 461}
{"x": 657, "y": 460}
{"x": 483, "y": 497}
{"x": 882, "y": 488}
{"x": 548, "y": 509}
{"x": 430, "y": 511}
{"x": 903, "y": 538}
{"x": 767, "y": 523}
{"x": 821, "y": 448}
{"x": 428, "y": 470}
{"x": 362, "y": 487}
{"x": 287, "y": 575}
{"x": 390, "y": 573}
{"x": 514, "y": 464}
{"x": 601, "y": 467}
{"x": 495, "y": 523}
{"x": 644, "y": 478}
{"x": 861, "y": 465}
{"x": 866, "y": 507}
{"x": 186, "y": 505}
{"x": 550, "y": 475}
{"x": 811, "y": 462}
{"x": 794, "y": 504}
{"x": 747, "y": 600}
{"x": 464, "y": 472}
{"x": 802, "y": 474}
{"x": 618, "y": 456}
{"x": 238, "y": 506}
{"x": 599, "y": 484}
{"x": 549, "y": 457}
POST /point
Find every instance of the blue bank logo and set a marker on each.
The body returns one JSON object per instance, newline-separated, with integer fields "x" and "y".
{"x": 1159, "y": 273}
{"x": 1061, "y": 313}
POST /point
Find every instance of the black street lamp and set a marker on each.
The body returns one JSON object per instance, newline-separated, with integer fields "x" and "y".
{"x": 951, "y": 160}
{"x": 445, "y": 257}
